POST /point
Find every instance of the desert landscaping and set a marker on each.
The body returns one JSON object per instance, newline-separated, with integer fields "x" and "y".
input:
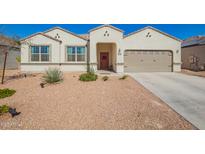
{"x": 73, "y": 104}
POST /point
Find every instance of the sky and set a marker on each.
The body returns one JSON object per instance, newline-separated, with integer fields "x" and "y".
{"x": 181, "y": 31}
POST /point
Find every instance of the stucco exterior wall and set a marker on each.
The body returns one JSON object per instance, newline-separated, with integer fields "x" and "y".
{"x": 193, "y": 51}
{"x": 105, "y": 35}
{"x": 57, "y": 52}
{"x": 36, "y": 68}
{"x": 67, "y": 40}
{"x": 111, "y": 40}
{"x": 40, "y": 40}
{"x": 41, "y": 67}
{"x": 157, "y": 41}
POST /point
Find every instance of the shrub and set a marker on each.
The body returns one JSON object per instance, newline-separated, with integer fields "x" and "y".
{"x": 88, "y": 77}
{"x": 6, "y": 93}
{"x": 52, "y": 75}
{"x": 18, "y": 59}
{"x": 4, "y": 109}
{"x": 123, "y": 77}
{"x": 105, "y": 78}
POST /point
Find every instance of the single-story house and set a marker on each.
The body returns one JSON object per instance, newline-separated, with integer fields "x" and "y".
{"x": 193, "y": 53}
{"x": 13, "y": 51}
{"x": 104, "y": 48}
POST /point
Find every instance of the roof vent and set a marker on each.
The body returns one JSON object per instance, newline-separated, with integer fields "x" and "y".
{"x": 57, "y": 36}
{"x": 106, "y": 33}
{"x": 148, "y": 35}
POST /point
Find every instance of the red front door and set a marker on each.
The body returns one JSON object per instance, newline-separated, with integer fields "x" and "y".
{"x": 104, "y": 60}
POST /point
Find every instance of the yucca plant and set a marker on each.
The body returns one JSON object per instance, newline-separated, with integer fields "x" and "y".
{"x": 52, "y": 75}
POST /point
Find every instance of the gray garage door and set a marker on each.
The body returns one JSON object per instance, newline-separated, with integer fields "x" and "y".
{"x": 148, "y": 61}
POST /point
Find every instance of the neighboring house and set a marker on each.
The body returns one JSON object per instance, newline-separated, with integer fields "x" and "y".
{"x": 193, "y": 53}
{"x": 104, "y": 48}
{"x": 13, "y": 52}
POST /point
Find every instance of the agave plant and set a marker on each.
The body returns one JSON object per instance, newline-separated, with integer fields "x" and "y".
{"x": 52, "y": 75}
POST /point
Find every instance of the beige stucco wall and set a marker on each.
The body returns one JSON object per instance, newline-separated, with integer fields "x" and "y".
{"x": 137, "y": 41}
{"x": 97, "y": 36}
{"x": 57, "y": 49}
{"x": 41, "y": 67}
{"x": 157, "y": 41}
{"x": 40, "y": 40}
{"x": 67, "y": 40}
{"x": 196, "y": 51}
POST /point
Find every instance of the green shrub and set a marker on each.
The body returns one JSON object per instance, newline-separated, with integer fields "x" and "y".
{"x": 4, "y": 109}
{"x": 52, "y": 75}
{"x": 123, "y": 77}
{"x": 6, "y": 93}
{"x": 88, "y": 77}
{"x": 105, "y": 78}
{"x": 18, "y": 59}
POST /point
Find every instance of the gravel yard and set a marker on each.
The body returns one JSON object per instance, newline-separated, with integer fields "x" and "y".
{"x": 9, "y": 72}
{"x": 73, "y": 104}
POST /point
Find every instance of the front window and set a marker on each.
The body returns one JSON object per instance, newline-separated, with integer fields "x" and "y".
{"x": 80, "y": 53}
{"x": 44, "y": 53}
{"x": 71, "y": 53}
{"x": 76, "y": 54}
{"x": 35, "y": 55}
{"x": 40, "y": 53}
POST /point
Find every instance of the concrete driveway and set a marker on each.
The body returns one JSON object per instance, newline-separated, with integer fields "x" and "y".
{"x": 184, "y": 93}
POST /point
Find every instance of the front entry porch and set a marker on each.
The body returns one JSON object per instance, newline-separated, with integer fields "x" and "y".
{"x": 106, "y": 56}
{"x": 107, "y": 73}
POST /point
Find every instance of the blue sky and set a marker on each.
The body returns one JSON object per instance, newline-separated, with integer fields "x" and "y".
{"x": 181, "y": 31}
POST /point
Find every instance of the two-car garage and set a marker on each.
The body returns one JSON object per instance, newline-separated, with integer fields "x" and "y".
{"x": 150, "y": 50}
{"x": 148, "y": 61}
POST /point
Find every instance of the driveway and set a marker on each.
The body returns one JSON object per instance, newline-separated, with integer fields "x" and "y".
{"x": 184, "y": 93}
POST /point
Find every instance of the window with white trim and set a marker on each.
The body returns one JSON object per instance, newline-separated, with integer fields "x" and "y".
{"x": 40, "y": 53}
{"x": 76, "y": 54}
{"x": 71, "y": 54}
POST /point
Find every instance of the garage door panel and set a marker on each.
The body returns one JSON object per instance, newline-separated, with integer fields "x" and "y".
{"x": 148, "y": 61}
